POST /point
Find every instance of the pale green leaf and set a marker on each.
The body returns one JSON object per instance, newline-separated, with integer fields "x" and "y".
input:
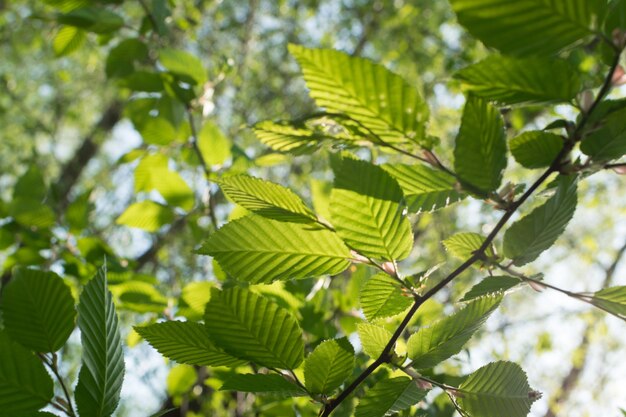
{"x": 266, "y": 199}
{"x": 68, "y": 40}
{"x": 490, "y": 285}
{"x": 180, "y": 380}
{"x": 425, "y": 189}
{"x": 262, "y": 384}
{"x": 257, "y": 249}
{"x": 185, "y": 342}
{"x": 251, "y": 327}
{"x": 379, "y": 100}
{"x": 193, "y": 298}
{"x": 495, "y": 390}
{"x": 31, "y": 212}
{"x": 214, "y": 145}
{"x": 389, "y": 396}
{"x": 510, "y": 80}
{"x": 38, "y": 309}
{"x": 536, "y": 149}
{"x": 158, "y": 131}
{"x": 608, "y": 142}
{"x": 93, "y": 19}
{"x": 328, "y": 366}
{"x": 102, "y": 373}
{"x": 480, "y": 149}
{"x": 612, "y": 300}
{"x": 445, "y": 338}
{"x": 184, "y": 65}
{"x": 146, "y": 215}
{"x": 373, "y": 339}
{"x": 139, "y": 296}
{"x": 463, "y": 245}
{"x": 382, "y": 296}
{"x": 527, "y": 238}
{"x": 366, "y": 211}
{"x": 153, "y": 173}
{"x": 25, "y": 386}
{"x": 285, "y": 137}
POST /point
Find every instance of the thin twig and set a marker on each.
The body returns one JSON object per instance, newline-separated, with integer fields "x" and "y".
{"x": 52, "y": 364}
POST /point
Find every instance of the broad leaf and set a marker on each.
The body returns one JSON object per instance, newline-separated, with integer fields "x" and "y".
{"x": 184, "y": 65}
{"x": 259, "y": 250}
{"x": 530, "y": 80}
{"x": 463, "y": 245}
{"x": 480, "y": 149}
{"x": 153, "y": 173}
{"x": 495, "y": 390}
{"x": 180, "y": 380}
{"x": 285, "y": 137}
{"x": 186, "y": 342}
{"x": 93, "y": 19}
{"x": 102, "y": 373}
{"x": 25, "y": 386}
{"x": 526, "y": 239}
{"x": 373, "y": 339}
{"x": 491, "y": 285}
{"x": 366, "y": 211}
{"x": 379, "y": 100}
{"x": 213, "y": 144}
{"x": 139, "y": 296}
{"x": 122, "y": 57}
{"x": 68, "y": 40}
{"x": 445, "y": 338}
{"x": 536, "y": 149}
{"x": 328, "y": 366}
{"x": 608, "y": 142}
{"x": 38, "y": 310}
{"x": 266, "y": 199}
{"x": 382, "y": 296}
{"x": 158, "y": 131}
{"x": 425, "y": 189}
{"x": 251, "y": 327}
{"x": 193, "y": 298}
{"x": 612, "y": 300}
{"x": 146, "y": 215}
{"x": 389, "y": 396}
{"x": 262, "y": 384}
{"x": 528, "y": 27}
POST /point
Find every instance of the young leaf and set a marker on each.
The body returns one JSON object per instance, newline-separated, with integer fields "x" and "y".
{"x": 612, "y": 300}
{"x": 68, "y": 40}
{"x": 480, "y": 149}
{"x": 382, "y": 296}
{"x": 38, "y": 310}
{"x": 180, "y": 380}
{"x": 261, "y": 250}
{"x": 463, "y": 245}
{"x": 102, "y": 373}
{"x": 373, "y": 339}
{"x": 526, "y": 239}
{"x": 184, "y": 65}
{"x": 365, "y": 209}
{"x": 214, "y": 145}
{"x": 251, "y": 327}
{"x": 389, "y": 396}
{"x": 153, "y": 173}
{"x": 368, "y": 93}
{"x": 495, "y": 390}
{"x": 285, "y": 137}
{"x": 158, "y": 131}
{"x": 262, "y": 384}
{"x": 529, "y": 80}
{"x": 193, "y": 298}
{"x": 528, "y": 27}
{"x": 445, "y": 338}
{"x": 491, "y": 285}
{"x": 266, "y": 199}
{"x": 536, "y": 149}
{"x": 146, "y": 215}
{"x": 139, "y": 296}
{"x": 328, "y": 366}
{"x": 25, "y": 386}
{"x": 608, "y": 142}
{"x": 425, "y": 189}
{"x": 185, "y": 342}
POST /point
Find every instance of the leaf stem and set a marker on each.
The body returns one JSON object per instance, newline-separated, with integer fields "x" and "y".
{"x": 52, "y": 363}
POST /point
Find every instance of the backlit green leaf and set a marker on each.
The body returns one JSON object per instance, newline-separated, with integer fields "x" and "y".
{"x": 153, "y": 173}
{"x": 67, "y": 40}
{"x": 463, "y": 245}
{"x": 389, "y": 396}
{"x": 490, "y": 285}
{"x": 214, "y": 145}
{"x": 608, "y": 142}
{"x": 328, "y": 366}
{"x": 146, "y": 215}
{"x": 382, "y": 296}
{"x": 536, "y": 149}
{"x": 373, "y": 339}
{"x": 180, "y": 380}
{"x": 612, "y": 300}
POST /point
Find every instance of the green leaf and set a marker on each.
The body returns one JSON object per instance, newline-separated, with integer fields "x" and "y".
{"x": 25, "y": 386}
{"x": 139, "y": 296}
{"x": 122, "y": 57}
{"x": 373, "y": 339}
{"x": 146, "y": 215}
{"x": 366, "y": 211}
{"x": 214, "y": 145}
{"x": 285, "y": 137}
{"x": 527, "y": 238}
{"x": 510, "y": 80}
{"x": 180, "y": 380}
{"x": 463, "y": 245}
{"x": 184, "y": 65}
{"x": 445, "y": 338}
{"x": 480, "y": 150}
{"x": 101, "y": 376}
{"x": 266, "y": 199}
{"x": 490, "y": 285}
{"x": 249, "y": 326}
{"x": 186, "y": 342}
{"x": 608, "y": 142}
{"x": 153, "y": 173}
{"x": 382, "y": 296}
{"x": 495, "y": 390}
{"x": 158, "y": 131}
{"x": 38, "y": 309}
{"x": 262, "y": 384}
{"x": 67, "y": 40}
{"x": 93, "y": 19}
{"x": 379, "y": 100}
{"x": 31, "y": 212}
{"x": 536, "y": 149}
{"x": 260, "y": 250}
{"x": 328, "y": 366}
{"x": 425, "y": 189}
{"x": 528, "y": 27}
{"x": 193, "y": 298}
{"x": 389, "y": 396}
{"x": 612, "y": 300}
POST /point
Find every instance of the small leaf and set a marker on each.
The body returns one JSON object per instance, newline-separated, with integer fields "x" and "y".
{"x": 146, "y": 215}
{"x": 214, "y": 145}
{"x": 612, "y": 300}
{"x": 266, "y": 199}
{"x": 262, "y": 384}
{"x": 495, "y": 390}
{"x": 68, "y": 40}
{"x": 153, "y": 173}
{"x": 122, "y": 57}
{"x": 445, "y": 338}
{"x": 480, "y": 149}
{"x": 251, "y": 327}
{"x": 389, "y": 396}
{"x": 373, "y": 339}
{"x": 491, "y": 285}
{"x": 382, "y": 297}
{"x": 365, "y": 209}
{"x": 608, "y": 142}
{"x": 463, "y": 245}
{"x": 527, "y": 238}
{"x": 536, "y": 149}
{"x": 186, "y": 342}
{"x": 328, "y": 366}
{"x": 180, "y": 380}
{"x": 102, "y": 373}
{"x": 184, "y": 65}
{"x": 158, "y": 131}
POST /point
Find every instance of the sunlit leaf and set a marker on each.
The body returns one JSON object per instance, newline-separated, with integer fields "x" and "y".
{"x": 389, "y": 396}
{"x": 382, "y": 296}
{"x": 328, "y": 366}
{"x": 536, "y": 149}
